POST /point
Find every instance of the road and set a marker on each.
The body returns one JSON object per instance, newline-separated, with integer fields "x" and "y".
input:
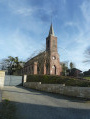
{"x": 0, "y": 96}
{"x": 32, "y": 104}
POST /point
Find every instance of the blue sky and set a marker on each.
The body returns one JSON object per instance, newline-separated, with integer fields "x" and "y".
{"x": 25, "y": 24}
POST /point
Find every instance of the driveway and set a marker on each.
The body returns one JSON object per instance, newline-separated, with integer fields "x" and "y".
{"x": 32, "y": 104}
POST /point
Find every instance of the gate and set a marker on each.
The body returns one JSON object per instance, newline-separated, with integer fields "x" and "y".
{"x": 11, "y": 80}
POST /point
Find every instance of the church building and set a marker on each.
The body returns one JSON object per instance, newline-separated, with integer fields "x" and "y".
{"x": 46, "y": 62}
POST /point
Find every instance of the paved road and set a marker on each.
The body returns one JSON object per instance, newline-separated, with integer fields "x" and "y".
{"x": 33, "y": 104}
{"x": 0, "y": 96}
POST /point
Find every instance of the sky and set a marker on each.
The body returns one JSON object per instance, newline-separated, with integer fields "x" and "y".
{"x": 25, "y": 24}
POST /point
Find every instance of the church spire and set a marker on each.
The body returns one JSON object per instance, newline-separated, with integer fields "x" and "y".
{"x": 51, "y": 31}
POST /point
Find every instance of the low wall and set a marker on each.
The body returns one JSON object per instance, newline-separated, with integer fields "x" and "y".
{"x": 2, "y": 78}
{"x": 83, "y": 92}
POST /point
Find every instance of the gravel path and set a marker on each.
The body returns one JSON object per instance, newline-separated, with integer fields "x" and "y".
{"x": 33, "y": 104}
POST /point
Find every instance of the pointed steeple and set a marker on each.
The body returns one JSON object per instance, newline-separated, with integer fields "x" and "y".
{"x": 51, "y": 31}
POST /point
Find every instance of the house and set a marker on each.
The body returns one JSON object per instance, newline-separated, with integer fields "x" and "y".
{"x": 75, "y": 72}
{"x": 87, "y": 73}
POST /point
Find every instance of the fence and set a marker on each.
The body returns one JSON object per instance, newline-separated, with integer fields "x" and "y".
{"x": 11, "y": 80}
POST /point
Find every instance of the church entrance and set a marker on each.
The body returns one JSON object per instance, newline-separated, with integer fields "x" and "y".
{"x": 54, "y": 70}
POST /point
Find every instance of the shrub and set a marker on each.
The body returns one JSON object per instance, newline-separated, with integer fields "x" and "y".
{"x": 49, "y": 79}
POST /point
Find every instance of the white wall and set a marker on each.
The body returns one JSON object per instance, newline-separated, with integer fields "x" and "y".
{"x": 2, "y": 78}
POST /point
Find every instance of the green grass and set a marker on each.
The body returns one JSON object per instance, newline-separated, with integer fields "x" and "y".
{"x": 88, "y": 78}
{"x": 8, "y": 110}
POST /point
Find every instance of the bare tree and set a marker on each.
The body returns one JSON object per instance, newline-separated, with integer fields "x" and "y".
{"x": 87, "y": 55}
{"x": 42, "y": 59}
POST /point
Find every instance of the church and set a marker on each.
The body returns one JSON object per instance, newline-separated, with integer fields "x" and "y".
{"x": 47, "y": 62}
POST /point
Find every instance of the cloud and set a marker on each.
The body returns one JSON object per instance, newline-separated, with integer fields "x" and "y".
{"x": 69, "y": 24}
{"x": 24, "y": 11}
{"x": 20, "y": 8}
{"x": 17, "y": 44}
{"x": 85, "y": 7}
{"x": 28, "y": 21}
{"x": 42, "y": 10}
{"x": 77, "y": 33}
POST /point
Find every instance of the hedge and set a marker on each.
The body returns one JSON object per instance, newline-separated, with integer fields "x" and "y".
{"x": 48, "y": 79}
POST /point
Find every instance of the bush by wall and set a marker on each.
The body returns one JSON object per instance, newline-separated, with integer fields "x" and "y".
{"x": 48, "y": 79}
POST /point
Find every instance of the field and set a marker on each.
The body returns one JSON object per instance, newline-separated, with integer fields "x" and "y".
{"x": 87, "y": 78}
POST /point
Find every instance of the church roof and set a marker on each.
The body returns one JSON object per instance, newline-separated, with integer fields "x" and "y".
{"x": 51, "y": 31}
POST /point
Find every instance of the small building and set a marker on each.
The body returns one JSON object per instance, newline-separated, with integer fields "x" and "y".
{"x": 75, "y": 72}
{"x": 47, "y": 62}
{"x": 87, "y": 73}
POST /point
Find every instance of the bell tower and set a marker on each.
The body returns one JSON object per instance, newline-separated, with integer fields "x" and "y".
{"x": 51, "y": 41}
{"x": 53, "y": 66}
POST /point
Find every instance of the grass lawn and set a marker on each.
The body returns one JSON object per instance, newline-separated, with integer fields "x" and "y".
{"x": 87, "y": 77}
